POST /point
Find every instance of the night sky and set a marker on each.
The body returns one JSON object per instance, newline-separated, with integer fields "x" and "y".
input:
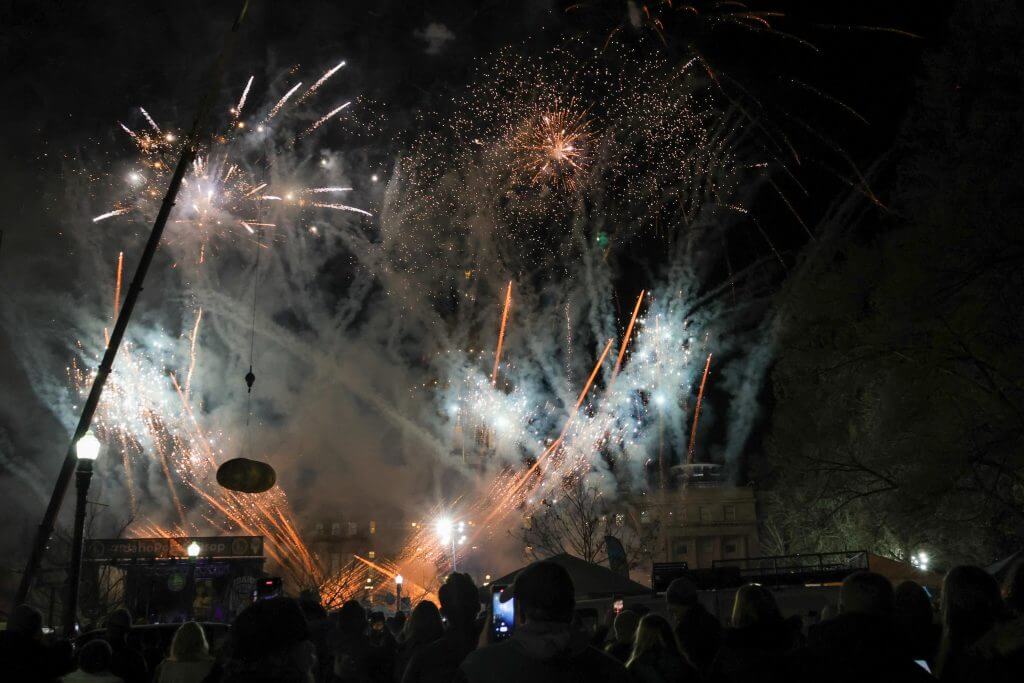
{"x": 74, "y": 69}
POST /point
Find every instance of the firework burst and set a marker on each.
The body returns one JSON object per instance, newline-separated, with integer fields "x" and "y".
{"x": 229, "y": 191}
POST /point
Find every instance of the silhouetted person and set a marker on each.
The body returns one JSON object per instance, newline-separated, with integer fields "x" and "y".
{"x": 23, "y": 656}
{"x": 979, "y": 642}
{"x": 319, "y": 633}
{"x": 269, "y": 641}
{"x": 438, "y": 662}
{"x": 544, "y": 647}
{"x": 861, "y": 643}
{"x": 422, "y": 628}
{"x": 189, "y": 660}
{"x": 656, "y": 657}
{"x": 915, "y": 623}
{"x": 757, "y": 639}
{"x": 126, "y": 661}
{"x": 624, "y": 631}
{"x": 698, "y": 632}
{"x": 94, "y": 660}
{"x": 355, "y": 658}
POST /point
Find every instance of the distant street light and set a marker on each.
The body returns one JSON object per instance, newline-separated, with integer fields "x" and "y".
{"x": 451, "y": 533}
{"x": 87, "y": 449}
{"x": 193, "y": 550}
{"x": 398, "y": 593}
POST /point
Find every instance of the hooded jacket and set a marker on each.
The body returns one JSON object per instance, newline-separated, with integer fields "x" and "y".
{"x": 542, "y": 652}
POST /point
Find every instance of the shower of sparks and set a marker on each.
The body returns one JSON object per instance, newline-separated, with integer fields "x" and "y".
{"x": 501, "y": 334}
{"x": 325, "y": 118}
{"x": 696, "y": 411}
{"x": 117, "y": 282}
{"x": 343, "y": 207}
{"x": 224, "y": 193}
{"x": 320, "y": 81}
{"x": 241, "y": 101}
{"x": 149, "y": 118}
{"x": 110, "y": 214}
{"x": 551, "y": 147}
{"x": 281, "y": 102}
{"x": 626, "y": 337}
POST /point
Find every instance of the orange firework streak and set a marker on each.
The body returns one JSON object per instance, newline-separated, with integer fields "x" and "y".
{"x": 629, "y": 334}
{"x": 117, "y": 285}
{"x": 501, "y": 334}
{"x": 525, "y": 477}
{"x": 696, "y": 411}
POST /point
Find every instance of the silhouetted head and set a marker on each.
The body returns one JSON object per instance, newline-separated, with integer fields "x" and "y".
{"x": 119, "y": 623}
{"x": 424, "y": 624}
{"x": 189, "y": 644}
{"x": 351, "y": 618}
{"x": 27, "y": 621}
{"x": 460, "y": 600}
{"x": 912, "y": 607}
{"x": 654, "y": 634}
{"x": 680, "y": 596}
{"x": 866, "y": 593}
{"x": 971, "y": 603}
{"x": 543, "y": 592}
{"x": 754, "y": 605}
{"x": 94, "y": 657}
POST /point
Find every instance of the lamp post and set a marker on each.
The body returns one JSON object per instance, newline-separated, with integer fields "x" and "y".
{"x": 192, "y": 550}
{"x": 87, "y": 449}
{"x": 398, "y": 593}
{"x": 451, "y": 533}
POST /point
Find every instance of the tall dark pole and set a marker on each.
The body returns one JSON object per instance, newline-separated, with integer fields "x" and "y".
{"x": 188, "y": 153}
{"x": 83, "y": 475}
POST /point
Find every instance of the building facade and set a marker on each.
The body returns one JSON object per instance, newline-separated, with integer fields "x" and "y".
{"x": 701, "y": 518}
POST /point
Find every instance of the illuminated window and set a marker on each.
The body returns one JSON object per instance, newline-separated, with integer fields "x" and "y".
{"x": 373, "y": 527}
{"x": 372, "y": 555}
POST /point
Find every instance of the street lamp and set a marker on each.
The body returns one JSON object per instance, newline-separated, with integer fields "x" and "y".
{"x": 192, "y": 550}
{"x": 87, "y": 449}
{"x": 452, "y": 534}
{"x": 398, "y": 593}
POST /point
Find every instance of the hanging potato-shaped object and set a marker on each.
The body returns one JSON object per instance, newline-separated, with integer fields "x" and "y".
{"x": 246, "y": 476}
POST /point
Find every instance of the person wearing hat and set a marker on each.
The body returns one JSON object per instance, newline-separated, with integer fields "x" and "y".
{"x": 269, "y": 641}
{"x": 545, "y": 647}
{"x": 698, "y": 631}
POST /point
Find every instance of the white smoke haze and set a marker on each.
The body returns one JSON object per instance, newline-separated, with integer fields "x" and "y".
{"x": 374, "y": 338}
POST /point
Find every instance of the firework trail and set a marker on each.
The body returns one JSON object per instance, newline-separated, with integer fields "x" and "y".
{"x": 696, "y": 411}
{"x": 281, "y": 102}
{"x": 501, "y": 334}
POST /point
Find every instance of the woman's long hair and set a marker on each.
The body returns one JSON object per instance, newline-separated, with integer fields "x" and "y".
{"x": 424, "y": 624}
{"x": 189, "y": 644}
{"x": 754, "y": 605}
{"x": 654, "y": 634}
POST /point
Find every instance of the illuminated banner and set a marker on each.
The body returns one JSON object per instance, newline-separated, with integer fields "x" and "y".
{"x": 166, "y": 548}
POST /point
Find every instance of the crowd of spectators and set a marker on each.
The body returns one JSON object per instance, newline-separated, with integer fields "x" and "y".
{"x": 878, "y": 632}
